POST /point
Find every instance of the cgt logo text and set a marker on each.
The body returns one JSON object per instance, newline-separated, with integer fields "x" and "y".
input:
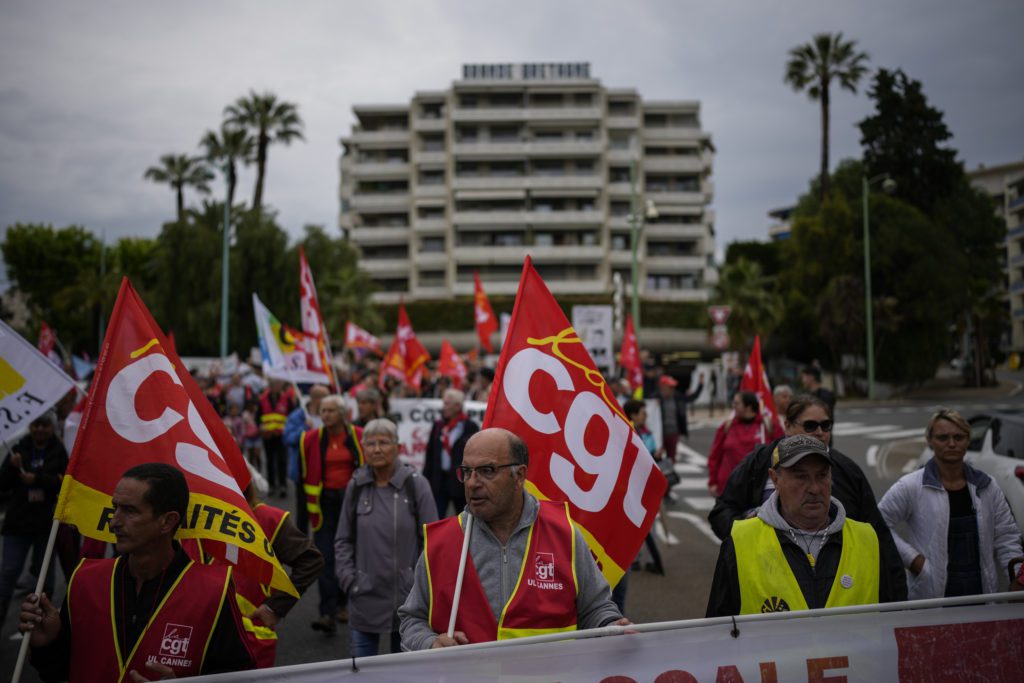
{"x": 544, "y": 572}
{"x": 174, "y": 647}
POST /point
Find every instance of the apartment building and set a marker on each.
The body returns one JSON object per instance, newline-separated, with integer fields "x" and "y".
{"x": 1005, "y": 184}
{"x": 538, "y": 159}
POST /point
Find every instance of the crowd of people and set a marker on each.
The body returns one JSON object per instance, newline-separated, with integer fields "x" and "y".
{"x": 800, "y": 525}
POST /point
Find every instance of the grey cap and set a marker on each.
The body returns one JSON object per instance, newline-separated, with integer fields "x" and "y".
{"x": 793, "y": 449}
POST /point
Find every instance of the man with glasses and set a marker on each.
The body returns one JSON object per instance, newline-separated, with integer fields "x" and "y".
{"x": 523, "y": 556}
{"x": 800, "y": 551}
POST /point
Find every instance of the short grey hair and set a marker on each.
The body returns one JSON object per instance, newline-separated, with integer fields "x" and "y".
{"x": 456, "y": 394}
{"x": 782, "y": 389}
{"x": 368, "y": 394}
{"x": 381, "y": 425}
{"x": 339, "y": 401}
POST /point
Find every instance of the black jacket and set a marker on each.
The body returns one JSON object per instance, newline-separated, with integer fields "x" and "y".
{"x": 815, "y": 582}
{"x": 432, "y": 471}
{"x": 743, "y": 490}
{"x": 24, "y": 517}
{"x": 682, "y": 399}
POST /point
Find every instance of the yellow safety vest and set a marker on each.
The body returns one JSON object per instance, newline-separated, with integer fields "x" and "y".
{"x": 767, "y": 584}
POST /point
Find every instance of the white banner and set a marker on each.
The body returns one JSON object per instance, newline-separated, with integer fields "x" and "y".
{"x": 415, "y": 417}
{"x": 975, "y": 642}
{"x": 593, "y": 324}
{"x": 29, "y": 383}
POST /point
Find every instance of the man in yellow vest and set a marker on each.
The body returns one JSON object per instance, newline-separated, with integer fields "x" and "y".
{"x": 800, "y": 551}
{"x": 528, "y": 572}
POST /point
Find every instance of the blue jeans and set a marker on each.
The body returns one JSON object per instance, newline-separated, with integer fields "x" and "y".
{"x": 16, "y": 550}
{"x": 323, "y": 538}
{"x": 365, "y": 644}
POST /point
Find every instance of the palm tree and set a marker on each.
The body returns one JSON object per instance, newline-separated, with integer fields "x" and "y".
{"x": 271, "y": 121}
{"x": 812, "y": 66}
{"x": 179, "y": 170}
{"x": 233, "y": 145}
{"x": 756, "y": 307}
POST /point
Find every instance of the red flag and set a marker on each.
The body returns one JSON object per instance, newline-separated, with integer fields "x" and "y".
{"x": 486, "y": 323}
{"x": 629, "y": 356}
{"x": 548, "y": 391}
{"x": 47, "y": 344}
{"x": 451, "y": 365}
{"x": 144, "y": 406}
{"x": 756, "y": 380}
{"x": 318, "y": 346}
{"x": 358, "y": 338}
{"x": 407, "y": 356}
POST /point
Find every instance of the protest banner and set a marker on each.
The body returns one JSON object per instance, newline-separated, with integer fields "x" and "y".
{"x": 583, "y": 451}
{"x": 955, "y": 643}
{"x": 284, "y": 351}
{"x": 415, "y": 417}
{"x": 144, "y": 406}
{"x": 29, "y": 383}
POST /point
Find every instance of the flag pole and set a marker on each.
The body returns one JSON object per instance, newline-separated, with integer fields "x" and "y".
{"x": 27, "y": 636}
{"x": 462, "y": 573}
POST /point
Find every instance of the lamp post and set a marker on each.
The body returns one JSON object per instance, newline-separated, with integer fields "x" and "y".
{"x": 224, "y": 265}
{"x": 888, "y": 184}
{"x": 636, "y": 224}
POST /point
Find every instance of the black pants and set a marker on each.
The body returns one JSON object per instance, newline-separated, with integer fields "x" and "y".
{"x": 277, "y": 462}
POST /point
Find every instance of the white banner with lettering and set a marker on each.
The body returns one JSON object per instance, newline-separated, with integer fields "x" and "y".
{"x": 977, "y": 642}
{"x": 29, "y": 383}
{"x": 415, "y": 417}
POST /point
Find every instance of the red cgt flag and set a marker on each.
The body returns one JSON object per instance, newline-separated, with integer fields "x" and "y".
{"x": 358, "y": 338}
{"x": 583, "y": 450}
{"x": 629, "y": 356}
{"x": 451, "y": 365}
{"x": 318, "y": 346}
{"x": 47, "y": 344}
{"x": 144, "y": 406}
{"x": 407, "y": 356}
{"x": 756, "y": 380}
{"x": 483, "y": 314}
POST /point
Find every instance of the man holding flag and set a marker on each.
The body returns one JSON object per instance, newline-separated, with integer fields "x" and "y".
{"x": 152, "y": 611}
{"x": 561, "y": 588}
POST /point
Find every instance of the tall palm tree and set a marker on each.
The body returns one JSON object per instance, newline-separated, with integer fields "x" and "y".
{"x": 179, "y": 170}
{"x": 812, "y": 67}
{"x": 756, "y": 306}
{"x": 271, "y": 121}
{"x": 231, "y": 146}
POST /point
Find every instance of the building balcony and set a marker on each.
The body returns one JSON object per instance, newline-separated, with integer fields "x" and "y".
{"x": 620, "y": 122}
{"x": 1015, "y": 204}
{"x": 660, "y": 198}
{"x": 430, "y": 191}
{"x": 546, "y": 218}
{"x": 380, "y": 200}
{"x": 678, "y": 164}
{"x": 1015, "y": 233}
{"x": 624, "y": 259}
{"x": 431, "y": 292}
{"x": 681, "y": 295}
{"x": 535, "y": 182}
{"x": 620, "y": 189}
{"x": 1017, "y": 286}
{"x": 429, "y": 125}
{"x": 687, "y": 231}
{"x": 675, "y": 264}
{"x": 380, "y": 235}
{"x": 378, "y": 137}
{"x": 673, "y": 134}
{"x": 1017, "y": 260}
{"x": 432, "y": 259}
{"x": 533, "y": 114}
{"x": 517, "y": 254}
{"x": 529, "y": 148}
{"x": 619, "y": 223}
{"x": 382, "y": 169}
{"x": 623, "y": 154}
{"x": 388, "y": 266}
{"x": 429, "y": 225}
{"x": 433, "y": 157}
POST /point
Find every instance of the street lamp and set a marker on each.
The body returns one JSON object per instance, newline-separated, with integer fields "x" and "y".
{"x": 888, "y": 185}
{"x": 636, "y": 224}
{"x": 224, "y": 264}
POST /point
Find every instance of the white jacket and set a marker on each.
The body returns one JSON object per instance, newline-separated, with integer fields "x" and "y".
{"x": 919, "y": 500}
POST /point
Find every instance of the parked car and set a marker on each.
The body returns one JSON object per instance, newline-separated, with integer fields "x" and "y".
{"x": 997, "y": 449}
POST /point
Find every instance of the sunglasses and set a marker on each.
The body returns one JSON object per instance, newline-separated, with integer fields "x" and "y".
{"x": 811, "y": 426}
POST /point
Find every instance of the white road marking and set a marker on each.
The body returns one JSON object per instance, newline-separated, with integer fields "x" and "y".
{"x": 686, "y": 468}
{"x": 899, "y": 434}
{"x": 871, "y": 457}
{"x": 856, "y": 411}
{"x": 691, "y": 484}
{"x": 699, "y": 522}
{"x": 909, "y": 409}
{"x": 855, "y": 428}
{"x": 692, "y": 456}
{"x": 703, "y": 504}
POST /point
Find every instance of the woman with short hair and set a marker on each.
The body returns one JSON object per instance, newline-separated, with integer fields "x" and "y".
{"x": 960, "y": 535}
{"x": 380, "y": 534}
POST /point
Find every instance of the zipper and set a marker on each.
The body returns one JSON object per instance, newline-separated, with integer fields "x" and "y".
{"x": 505, "y": 592}
{"x": 394, "y": 554}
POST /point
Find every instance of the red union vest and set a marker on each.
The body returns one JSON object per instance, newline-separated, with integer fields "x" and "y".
{"x": 274, "y": 414}
{"x": 177, "y": 634}
{"x": 312, "y": 449}
{"x": 544, "y": 599}
{"x": 250, "y": 594}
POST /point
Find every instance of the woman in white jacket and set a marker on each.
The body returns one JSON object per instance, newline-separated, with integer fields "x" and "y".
{"x": 960, "y": 534}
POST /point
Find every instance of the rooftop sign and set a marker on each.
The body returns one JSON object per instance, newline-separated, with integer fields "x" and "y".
{"x": 525, "y": 72}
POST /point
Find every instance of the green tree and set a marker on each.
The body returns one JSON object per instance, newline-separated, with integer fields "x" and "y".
{"x": 756, "y": 308}
{"x": 231, "y": 146}
{"x": 765, "y": 254}
{"x": 270, "y": 120}
{"x": 813, "y": 66}
{"x": 179, "y": 171}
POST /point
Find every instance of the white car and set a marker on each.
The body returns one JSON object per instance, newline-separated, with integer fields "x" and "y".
{"x": 997, "y": 449}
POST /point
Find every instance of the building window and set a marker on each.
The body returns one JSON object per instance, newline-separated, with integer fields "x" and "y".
{"x": 620, "y": 141}
{"x": 432, "y": 245}
{"x": 620, "y": 242}
{"x": 431, "y": 178}
{"x": 431, "y": 278}
{"x": 621, "y": 108}
{"x": 430, "y": 212}
{"x": 432, "y": 143}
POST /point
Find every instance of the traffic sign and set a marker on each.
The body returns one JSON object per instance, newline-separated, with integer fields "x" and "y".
{"x": 719, "y": 314}
{"x": 720, "y": 339}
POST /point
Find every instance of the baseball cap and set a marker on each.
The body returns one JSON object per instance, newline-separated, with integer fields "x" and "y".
{"x": 668, "y": 381}
{"x": 793, "y": 449}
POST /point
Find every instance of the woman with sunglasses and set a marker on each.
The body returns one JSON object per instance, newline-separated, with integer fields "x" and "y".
{"x": 749, "y": 485}
{"x": 960, "y": 533}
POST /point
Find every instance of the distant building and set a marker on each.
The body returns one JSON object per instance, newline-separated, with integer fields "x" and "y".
{"x": 781, "y": 229}
{"x": 517, "y": 159}
{"x": 1005, "y": 183}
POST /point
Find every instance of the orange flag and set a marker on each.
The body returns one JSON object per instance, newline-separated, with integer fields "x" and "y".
{"x": 144, "y": 406}
{"x": 629, "y": 356}
{"x": 755, "y": 379}
{"x": 451, "y": 365}
{"x": 407, "y": 356}
{"x": 486, "y": 323}
{"x": 582, "y": 448}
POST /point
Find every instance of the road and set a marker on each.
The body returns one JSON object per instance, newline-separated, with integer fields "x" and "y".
{"x": 870, "y": 434}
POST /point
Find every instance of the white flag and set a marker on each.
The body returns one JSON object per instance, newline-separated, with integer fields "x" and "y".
{"x": 285, "y": 354}
{"x": 29, "y": 383}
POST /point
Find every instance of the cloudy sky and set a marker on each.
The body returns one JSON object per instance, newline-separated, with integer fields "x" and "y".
{"x": 92, "y": 93}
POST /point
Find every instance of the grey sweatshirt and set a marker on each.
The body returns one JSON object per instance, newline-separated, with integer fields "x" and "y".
{"x": 498, "y": 568}
{"x": 811, "y": 541}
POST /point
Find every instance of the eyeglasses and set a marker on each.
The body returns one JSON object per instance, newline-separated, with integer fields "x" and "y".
{"x": 811, "y": 426}
{"x": 372, "y": 445}
{"x": 486, "y": 472}
{"x": 958, "y": 437}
